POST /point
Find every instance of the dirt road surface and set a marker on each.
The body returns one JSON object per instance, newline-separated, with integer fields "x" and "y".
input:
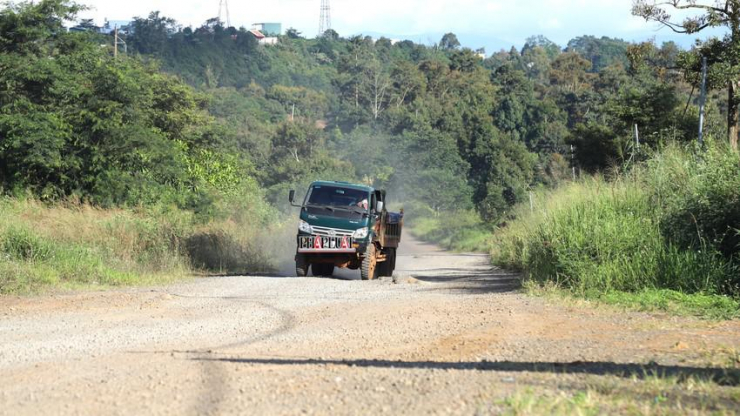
{"x": 450, "y": 336}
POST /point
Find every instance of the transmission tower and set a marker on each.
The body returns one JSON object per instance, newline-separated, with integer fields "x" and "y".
{"x": 325, "y": 21}
{"x": 223, "y": 8}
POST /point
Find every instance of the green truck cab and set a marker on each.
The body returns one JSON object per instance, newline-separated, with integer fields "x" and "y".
{"x": 347, "y": 226}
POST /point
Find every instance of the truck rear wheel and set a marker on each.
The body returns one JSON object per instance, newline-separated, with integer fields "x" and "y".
{"x": 368, "y": 270}
{"x": 384, "y": 267}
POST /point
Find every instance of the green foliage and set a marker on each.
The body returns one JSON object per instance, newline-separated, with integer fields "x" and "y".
{"x": 677, "y": 303}
{"x": 600, "y": 52}
{"x": 449, "y": 42}
{"x": 76, "y": 122}
{"x": 700, "y": 198}
{"x": 211, "y": 122}
{"x": 596, "y": 237}
{"x": 72, "y": 244}
{"x": 550, "y": 48}
{"x": 28, "y": 28}
{"x": 80, "y": 245}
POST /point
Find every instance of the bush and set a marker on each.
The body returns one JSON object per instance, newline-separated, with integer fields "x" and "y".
{"x": 664, "y": 225}
{"x": 220, "y": 251}
{"x": 71, "y": 244}
{"x": 700, "y": 198}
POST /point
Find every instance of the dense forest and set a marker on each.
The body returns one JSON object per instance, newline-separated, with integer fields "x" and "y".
{"x": 437, "y": 124}
{"x": 211, "y": 122}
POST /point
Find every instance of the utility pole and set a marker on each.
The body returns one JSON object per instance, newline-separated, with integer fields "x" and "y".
{"x": 702, "y": 101}
{"x": 531, "y": 202}
{"x": 637, "y": 137}
{"x": 116, "y": 41}
{"x": 573, "y": 162}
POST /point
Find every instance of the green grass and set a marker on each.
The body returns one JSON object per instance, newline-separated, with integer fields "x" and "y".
{"x": 653, "y": 395}
{"x": 72, "y": 246}
{"x": 715, "y": 307}
{"x": 661, "y": 235}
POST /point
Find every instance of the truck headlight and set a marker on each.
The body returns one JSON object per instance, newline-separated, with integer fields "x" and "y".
{"x": 305, "y": 227}
{"x": 361, "y": 233}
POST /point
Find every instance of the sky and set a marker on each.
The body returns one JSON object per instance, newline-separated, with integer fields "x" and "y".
{"x": 493, "y": 24}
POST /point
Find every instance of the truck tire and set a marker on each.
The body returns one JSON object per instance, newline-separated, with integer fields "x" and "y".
{"x": 301, "y": 266}
{"x": 392, "y": 262}
{"x": 382, "y": 268}
{"x": 385, "y": 267}
{"x": 368, "y": 270}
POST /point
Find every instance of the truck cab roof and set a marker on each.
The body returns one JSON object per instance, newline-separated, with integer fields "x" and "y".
{"x": 344, "y": 185}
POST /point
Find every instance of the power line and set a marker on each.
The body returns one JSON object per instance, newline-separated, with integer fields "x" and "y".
{"x": 325, "y": 19}
{"x": 223, "y": 6}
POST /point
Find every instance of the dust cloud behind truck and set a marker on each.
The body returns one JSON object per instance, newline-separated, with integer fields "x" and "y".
{"x": 347, "y": 226}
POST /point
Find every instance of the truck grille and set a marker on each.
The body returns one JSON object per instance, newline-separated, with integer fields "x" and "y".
{"x": 332, "y": 232}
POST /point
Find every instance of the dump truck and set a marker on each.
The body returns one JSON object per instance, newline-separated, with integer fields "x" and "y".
{"x": 346, "y": 225}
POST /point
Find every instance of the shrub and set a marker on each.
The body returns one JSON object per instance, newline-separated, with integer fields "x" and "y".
{"x": 664, "y": 225}
{"x": 70, "y": 244}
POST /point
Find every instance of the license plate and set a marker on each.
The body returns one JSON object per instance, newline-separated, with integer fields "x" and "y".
{"x": 313, "y": 244}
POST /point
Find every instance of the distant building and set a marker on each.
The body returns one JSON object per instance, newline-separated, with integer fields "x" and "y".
{"x": 262, "y": 39}
{"x": 257, "y": 34}
{"x": 79, "y": 28}
{"x": 124, "y": 26}
{"x": 269, "y": 29}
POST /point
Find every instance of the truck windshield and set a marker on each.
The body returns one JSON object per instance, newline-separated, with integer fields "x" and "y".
{"x": 331, "y": 196}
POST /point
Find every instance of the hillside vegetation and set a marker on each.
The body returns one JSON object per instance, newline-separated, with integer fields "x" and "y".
{"x": 669, "y": 225}
{"x": 198, "y": 133}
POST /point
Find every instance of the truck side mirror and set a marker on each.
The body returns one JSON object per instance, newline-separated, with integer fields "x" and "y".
{"x": 379, "y": 206}
{"x": 291, "y": 196}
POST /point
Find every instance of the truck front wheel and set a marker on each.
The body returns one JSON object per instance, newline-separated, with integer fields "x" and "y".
{"x": 301, "y": 266}
{"x": 368, "y": 270}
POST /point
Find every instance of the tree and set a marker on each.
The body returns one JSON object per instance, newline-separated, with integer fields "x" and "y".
{"x": 380, "y": 83}
{"x": 293, "y": 33}
{"x": 150, "y": 34}
{"x": 331, "y": 34}
{"x": 449, "y": 42}
{"x": 73, "y": 121}
{"x": 26, "y": 28}
{"x": 552, "y": 50}
{"x": 601, "y": 52}
{"x": 723, "y": 13}
{"x": 87, "y": 24}
{"x": 464, "y": 60}
{"x": 570, "y": 71}
{"x": 536, "y": 64}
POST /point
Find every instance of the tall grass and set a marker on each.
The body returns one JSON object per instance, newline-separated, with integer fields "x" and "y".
{"x": 73, "y": 244}
{"x": 667, "y": 224}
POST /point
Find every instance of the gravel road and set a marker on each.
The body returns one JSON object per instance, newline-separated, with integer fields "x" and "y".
{"x": 447, "y": 335}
